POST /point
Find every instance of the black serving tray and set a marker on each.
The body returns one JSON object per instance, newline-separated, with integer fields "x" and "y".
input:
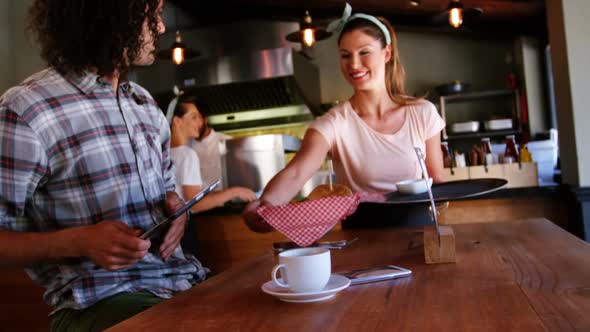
{"x": 449, "y": 191}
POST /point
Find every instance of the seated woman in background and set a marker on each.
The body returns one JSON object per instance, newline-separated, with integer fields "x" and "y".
{"x": 185, "y": 125}
{"x": 370, "y": 137}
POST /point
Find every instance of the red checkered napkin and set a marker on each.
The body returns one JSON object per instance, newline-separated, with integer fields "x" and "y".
{"x": 306, "y": 222}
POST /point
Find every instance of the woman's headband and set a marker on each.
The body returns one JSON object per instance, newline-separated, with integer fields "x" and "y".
{"x": 346, "y": 17}
{"x": 173, "y": 103}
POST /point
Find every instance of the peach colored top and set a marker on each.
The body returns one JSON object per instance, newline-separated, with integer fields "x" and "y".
{"x": 367, "y": 160}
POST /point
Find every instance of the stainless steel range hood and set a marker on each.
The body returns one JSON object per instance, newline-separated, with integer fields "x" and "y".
{"x": 261, "y": 88}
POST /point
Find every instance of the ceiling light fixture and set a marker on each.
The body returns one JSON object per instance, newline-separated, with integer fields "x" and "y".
{"x": 455, "y": 13}
{"x": 415, "y": 3}
{"x": 178, "y": 52}
{"x": 307, "y": 34}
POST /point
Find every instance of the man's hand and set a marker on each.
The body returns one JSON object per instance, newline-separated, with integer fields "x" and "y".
{"x": 253, "y": 220}
{"x": 176, "y": 230}
{"x": 111, "y": 244}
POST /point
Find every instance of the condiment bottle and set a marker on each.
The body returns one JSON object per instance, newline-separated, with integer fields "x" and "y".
{"x": 444, "y": 146}
{"x": 459, "y": 159}
{"x": 476, "y": 156}
{"x": 511, "y": 153}
{"x": 486, "y": 146}
{"x": 525, "y": 155}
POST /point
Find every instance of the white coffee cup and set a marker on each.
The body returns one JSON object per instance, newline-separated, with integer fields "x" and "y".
{"x": 303, "y": 270}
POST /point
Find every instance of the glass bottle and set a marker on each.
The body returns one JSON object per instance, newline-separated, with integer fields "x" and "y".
{"x": 444, "y": 146}
{"x": 525, "y": 155}
{"x": 486, "y": 146}
{"x": 511, "y": 153}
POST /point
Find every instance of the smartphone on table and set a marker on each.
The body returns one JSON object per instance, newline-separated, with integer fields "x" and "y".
{"x": 375, "y": 274}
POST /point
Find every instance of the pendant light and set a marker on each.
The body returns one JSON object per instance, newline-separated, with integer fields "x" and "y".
{"x": 455, "y": 13}
{"x": 178, "y": 52}
{"x": 307, "y": 34}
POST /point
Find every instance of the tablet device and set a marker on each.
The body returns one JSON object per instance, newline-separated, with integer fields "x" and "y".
{"x": 180, "y": 211}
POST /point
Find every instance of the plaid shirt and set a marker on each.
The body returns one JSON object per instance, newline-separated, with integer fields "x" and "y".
{"x": 71, "y": 155}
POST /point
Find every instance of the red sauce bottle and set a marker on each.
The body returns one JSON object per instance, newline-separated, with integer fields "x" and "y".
{"x": 486, "y": 147}
{"x": 511, "y": 152}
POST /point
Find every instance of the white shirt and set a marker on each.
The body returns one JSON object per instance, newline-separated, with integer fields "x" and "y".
{"x": 188, "y": 171}
{"x": 367, "y": 160}
{"x": 209, "y": 152}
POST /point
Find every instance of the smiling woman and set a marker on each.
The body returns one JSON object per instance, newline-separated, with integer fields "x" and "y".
{"x": 372, "y": 136}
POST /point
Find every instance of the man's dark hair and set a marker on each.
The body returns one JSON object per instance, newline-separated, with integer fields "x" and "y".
{"x": 106, "y": 34}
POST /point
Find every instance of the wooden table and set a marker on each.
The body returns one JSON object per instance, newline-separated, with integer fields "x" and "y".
{"x": 518, "y": 276}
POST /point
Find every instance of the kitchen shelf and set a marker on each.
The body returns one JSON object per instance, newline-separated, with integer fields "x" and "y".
{"x": 480, "y": 134}
{"x": 477, "y": 96}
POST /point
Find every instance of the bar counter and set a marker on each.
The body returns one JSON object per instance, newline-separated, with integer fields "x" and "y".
{"x": 525, "y": 275}
{"x": 222, "y": 239}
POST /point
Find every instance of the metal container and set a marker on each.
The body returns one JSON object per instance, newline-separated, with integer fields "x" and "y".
{"x": 252, "y": 161}
{"x": 465, "y": 127}
{"x": 498, "y": 124}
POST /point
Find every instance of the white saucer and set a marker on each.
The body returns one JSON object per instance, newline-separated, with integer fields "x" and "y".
{"x": 335, "y": 284}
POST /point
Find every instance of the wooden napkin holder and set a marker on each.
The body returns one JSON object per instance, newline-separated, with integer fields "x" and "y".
{"x": 439, "y": 246}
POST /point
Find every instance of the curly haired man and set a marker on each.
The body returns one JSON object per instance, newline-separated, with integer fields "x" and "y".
{"x": 86, "y": 168}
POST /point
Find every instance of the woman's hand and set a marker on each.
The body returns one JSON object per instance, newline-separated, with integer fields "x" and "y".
{"x": 253, "y": 220}
{"x": 243, "y": 194}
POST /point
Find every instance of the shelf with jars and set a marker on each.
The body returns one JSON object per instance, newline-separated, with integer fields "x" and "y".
{"x": 474, "y": 115}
